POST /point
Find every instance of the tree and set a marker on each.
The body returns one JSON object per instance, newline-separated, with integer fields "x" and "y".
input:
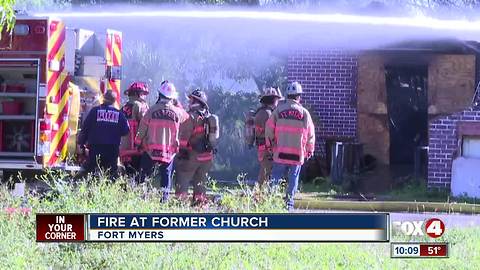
{"x": 444, "y": 7}
{"x": 198, "y": 67}
{"x": 200, "y": 2}
{"x": 202, "y": 61}
{"x": 8, "y": 15}
{"x": 232, "y": 157}
{"x": 41, "y": 5}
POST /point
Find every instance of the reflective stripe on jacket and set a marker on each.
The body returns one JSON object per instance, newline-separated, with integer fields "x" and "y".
{"x": 134, "y": 110}
{"x": 290, "y": 132}
{"x": 192, "y": 137}
{"x": 158, "y": 131}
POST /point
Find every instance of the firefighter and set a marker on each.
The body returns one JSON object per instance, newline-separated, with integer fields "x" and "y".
{"x": 198, "y": 137}
{"x": 157, "y": 136}
{"x": 291, "y": 136}
{"x": 269, "y": 100}
{"x": 135, "y": 108}
{"x": 102, "y": 130}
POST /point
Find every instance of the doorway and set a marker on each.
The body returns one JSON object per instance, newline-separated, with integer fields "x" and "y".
{"x": 407, "y": 106}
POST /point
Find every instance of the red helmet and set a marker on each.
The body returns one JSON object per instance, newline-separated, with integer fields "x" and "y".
{"x": 139, "y": 87}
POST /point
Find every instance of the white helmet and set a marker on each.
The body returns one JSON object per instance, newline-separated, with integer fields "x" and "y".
{"x": 271, "y": 92}
{"x": 294, "y": 88}
{"x": 168, "y": 90}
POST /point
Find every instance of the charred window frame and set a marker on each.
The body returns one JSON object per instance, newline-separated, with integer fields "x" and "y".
{"x": 467, "y": 131}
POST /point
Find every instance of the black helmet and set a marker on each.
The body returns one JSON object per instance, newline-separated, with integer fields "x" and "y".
{"x": 199, "y": 95}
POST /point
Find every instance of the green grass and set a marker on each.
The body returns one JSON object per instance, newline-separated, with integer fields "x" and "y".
{"x": 321, "y": 188}
{"x": 18, "y": 249}
{"x": 418, "y": 192}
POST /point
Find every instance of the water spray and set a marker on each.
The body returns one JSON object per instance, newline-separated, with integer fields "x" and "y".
{"x": 420, "y": 22}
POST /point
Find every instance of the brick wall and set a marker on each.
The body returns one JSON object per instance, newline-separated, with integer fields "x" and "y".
{"x": 443, "y": 146}
{"x": 329, "y": 81}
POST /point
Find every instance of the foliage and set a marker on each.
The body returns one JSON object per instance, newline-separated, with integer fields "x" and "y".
{"x": 199, "y": 2}
{"x": 439, "y": 8}
{"x": 232, "y": 157}
{"x": 7, "y": 13}
{"x": 204, "y": 66}
{"x": 20, "y": 251}
{"x": 433, "y": 4}
{"x": 266, "y": 69}
{"x": 322, "y": 186}
{"x": 418, "y": 191}
{"x": 204, "y": 62}
{"x": 435, "y": 7}
{"x": 41, "y": 5}
{"x": 8, "y": 9}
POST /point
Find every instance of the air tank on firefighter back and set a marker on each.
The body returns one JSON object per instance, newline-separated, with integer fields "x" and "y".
{"x": 213, "y": 130}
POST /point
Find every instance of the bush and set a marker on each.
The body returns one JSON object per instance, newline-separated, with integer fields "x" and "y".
{"x": 233, "y": 157}
{"x": 18, "y": 249}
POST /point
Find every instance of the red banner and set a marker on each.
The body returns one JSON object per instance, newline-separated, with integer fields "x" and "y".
{"x": 60, "y": 228}
{"x": 433, "y": 250}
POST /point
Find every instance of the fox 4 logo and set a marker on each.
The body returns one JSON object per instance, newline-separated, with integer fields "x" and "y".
{"x": 433, "y": 227}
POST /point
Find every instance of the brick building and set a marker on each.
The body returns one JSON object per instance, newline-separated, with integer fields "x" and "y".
{"x": 394, "y": 100}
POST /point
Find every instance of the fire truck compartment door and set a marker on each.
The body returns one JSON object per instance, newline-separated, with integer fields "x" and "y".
{"x": 73, "y": 117}
{"x": 70, "y": 46}
{"x": 19, "y": 164}
{"x": 93, "y": 66}
{"x": 88, "y": 43}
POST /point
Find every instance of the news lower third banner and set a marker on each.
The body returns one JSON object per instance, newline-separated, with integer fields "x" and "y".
{"x": 318, "y": 227}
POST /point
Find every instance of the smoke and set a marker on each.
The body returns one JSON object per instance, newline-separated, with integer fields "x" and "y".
{"x": 271, "y": 29}
{"x": 211, "y": 44}
{"x": 244, "y": 50}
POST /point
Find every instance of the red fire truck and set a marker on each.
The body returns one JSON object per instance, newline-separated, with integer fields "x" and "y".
{"x": 50, "y": 76}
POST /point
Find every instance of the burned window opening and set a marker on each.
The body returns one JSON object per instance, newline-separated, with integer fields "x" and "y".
{"x": 407, "y": 106}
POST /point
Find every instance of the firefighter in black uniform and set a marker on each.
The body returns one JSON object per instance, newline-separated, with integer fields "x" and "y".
{"x": 101, "y": 133}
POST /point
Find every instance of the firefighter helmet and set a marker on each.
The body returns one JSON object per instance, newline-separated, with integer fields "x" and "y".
{"x": 294, "y": 88}
{"x": 199, "y": 95}
{"x": 271, "y": 92}
{"x": 139, "y": 87}
{"x": 168, "y": 90}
